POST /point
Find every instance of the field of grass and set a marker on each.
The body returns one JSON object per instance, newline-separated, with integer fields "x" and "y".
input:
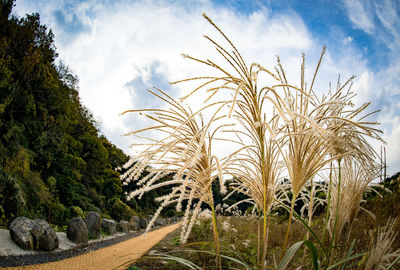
{"x": 239, "y": 240}
{"x": 292, "y": 151}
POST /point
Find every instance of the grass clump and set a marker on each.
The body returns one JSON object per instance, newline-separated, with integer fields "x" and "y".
{"x": 275, "y": 129}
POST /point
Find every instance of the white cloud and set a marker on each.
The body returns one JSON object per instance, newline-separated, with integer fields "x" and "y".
{"x": 347, "y": 40}
{"x": 381, "y": 86}
{"x": 360, "y": 14}
{"x": 387, "y": 12}
{"x": 123, "y": 47}
{"x": 364, "y": 87}
{"x": 393, "y": 148}
{"x": 126, "y": 38}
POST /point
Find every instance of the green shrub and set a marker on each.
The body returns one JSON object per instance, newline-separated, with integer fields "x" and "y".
{"x": 51, "y": 183}
{"x": 12, "y": 202}
{"x": 57, "y": 213}
{"x": 119, "y": 210}
{"x": 76, "y": 211}
{"x": 59, "y": 228}
{"x": 105, "y": 216}
{"x": 94, "y": 208}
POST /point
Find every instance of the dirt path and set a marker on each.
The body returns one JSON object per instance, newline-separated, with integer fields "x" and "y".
{"x": 118, "y": 256}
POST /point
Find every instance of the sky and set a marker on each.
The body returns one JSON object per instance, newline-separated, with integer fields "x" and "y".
{"x": 120, "y": 49}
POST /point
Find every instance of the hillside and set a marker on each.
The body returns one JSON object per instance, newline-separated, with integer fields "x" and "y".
{"x": 52, "y": 156}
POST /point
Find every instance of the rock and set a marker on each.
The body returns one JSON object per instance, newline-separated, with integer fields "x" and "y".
{"x": 123, "y": 226}
{"x": 134, "y": 223}
{"x": 174, "y": 219}
{"x": 45, "y": 238}
{"x": 149, "y": 218}
{"x": 142, "y": 223}
{"x": 77, "y": 231}
{"x": 33, "y": 234}
{"x": 160, "y": 222}
{"x": 20, "y": 231}
{"x": 109, "y": 226}
{"x": 93, "y": 223}
{"x": 135, "y": 226}
{"x": 135, "y": 219}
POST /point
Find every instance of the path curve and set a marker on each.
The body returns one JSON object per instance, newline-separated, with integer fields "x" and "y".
{"x": 118, "y": 256}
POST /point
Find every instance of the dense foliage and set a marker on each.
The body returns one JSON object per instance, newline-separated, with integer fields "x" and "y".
{"x": 52, "y": 156}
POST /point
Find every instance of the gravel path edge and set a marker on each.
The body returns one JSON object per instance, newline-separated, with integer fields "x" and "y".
{"x": 45, "y": 257}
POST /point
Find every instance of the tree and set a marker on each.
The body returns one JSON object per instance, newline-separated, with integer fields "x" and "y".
{"x": 52, "y": 156}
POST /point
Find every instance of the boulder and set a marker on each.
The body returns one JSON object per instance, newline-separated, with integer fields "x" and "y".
{"x": 77, "y": 231}
{"x": 142, "y": 223}
{"x": 176, "y": 219}
{"x": 93, "y": 223}
{"x": 44, "y": 237}
{"x": 134, "y": 223}
{"x": 109, "y": 226}
{"x": 20, "y": 231}
{"x": 135, "y": 219}
{"x": 149, "y": 218}
{"x": 33, "y": 234}
{"x": 160, "y": 222}
{"x": 134, "y": 226}
{"x": 123, "y": 226}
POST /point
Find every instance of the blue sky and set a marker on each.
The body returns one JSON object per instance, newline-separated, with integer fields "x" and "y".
{"x": 119, "y": 49}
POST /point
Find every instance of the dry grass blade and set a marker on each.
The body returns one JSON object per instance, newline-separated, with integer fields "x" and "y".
{"x": 276, "y": 127}
{"x": 183, "y": 149}
{"x": 381, "y": 255}
{"x": 355, "y": 180}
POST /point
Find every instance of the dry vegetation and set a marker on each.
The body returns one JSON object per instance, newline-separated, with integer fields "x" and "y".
{"x": 277, "y": 129}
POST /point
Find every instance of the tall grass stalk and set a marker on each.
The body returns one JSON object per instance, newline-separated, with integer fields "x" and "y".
{"x": 382, "y": 255}
{"x": 334, "y": 232}
{"x": 184, "y": 150}
{"x": 303, "y": 130}
{"x": 216, "y": 240}
{"x": 306, "y": 136}
{"x": 257, "y": 166}
{"x": 285, "y": 241}
{"x": 310, "y": 213}
{"x": 276, "y": 127}
{"x": 352, "y": 180}
{"x": 327, "y": 214}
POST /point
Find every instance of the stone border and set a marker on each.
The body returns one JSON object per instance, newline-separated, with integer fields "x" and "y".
{"x": 51, "y": 256}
